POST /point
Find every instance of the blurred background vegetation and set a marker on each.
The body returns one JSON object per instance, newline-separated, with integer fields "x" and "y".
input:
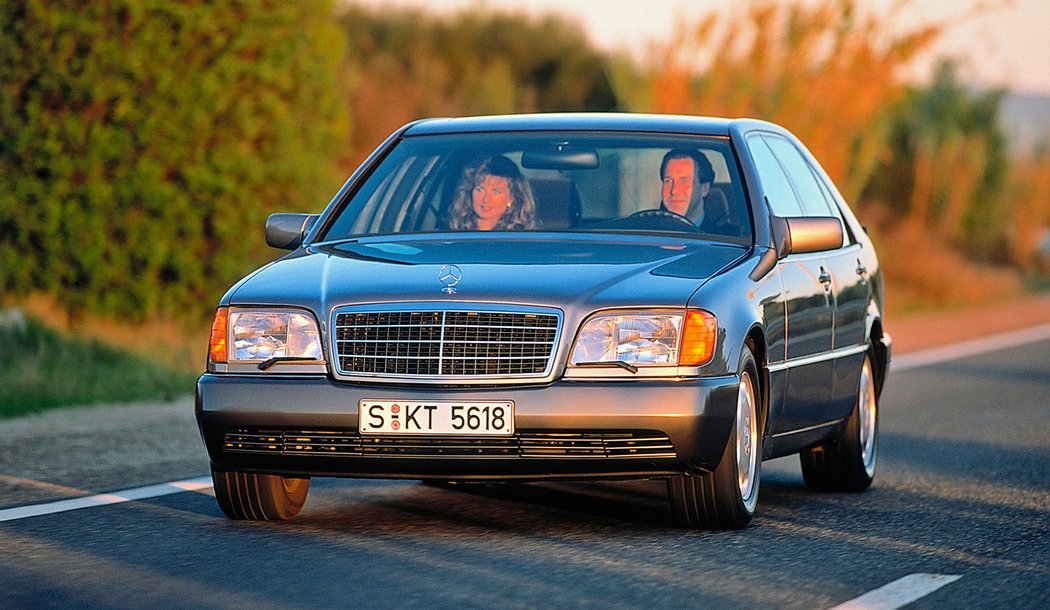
{"x": 144, "y": 142}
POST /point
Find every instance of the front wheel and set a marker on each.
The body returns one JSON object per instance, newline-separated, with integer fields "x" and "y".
{"x": 847, "y": 462}
{"x": 726, "y": 498}
{"x": 259, "y": 497}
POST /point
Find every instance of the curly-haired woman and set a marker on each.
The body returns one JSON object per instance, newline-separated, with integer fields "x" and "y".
{"x": 493, "y": 195}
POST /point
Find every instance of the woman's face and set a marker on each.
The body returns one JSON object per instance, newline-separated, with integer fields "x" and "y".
{"x": 491, "y": 198}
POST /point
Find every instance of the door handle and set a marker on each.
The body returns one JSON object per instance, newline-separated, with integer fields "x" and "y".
{"x": 862, "y": 271}
{"x": 825, "y": 279}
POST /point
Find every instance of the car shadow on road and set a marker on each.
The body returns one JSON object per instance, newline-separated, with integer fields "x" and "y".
{"x": 606, "y": 507}
{"x": 920, "y": 482}
{"x": 510, "y": 507}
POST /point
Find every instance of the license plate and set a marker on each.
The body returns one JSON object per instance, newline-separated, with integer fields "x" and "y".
{"x": 452, "y": 418}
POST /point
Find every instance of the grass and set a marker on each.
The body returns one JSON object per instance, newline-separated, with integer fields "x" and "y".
{"x": 42, "y": 369}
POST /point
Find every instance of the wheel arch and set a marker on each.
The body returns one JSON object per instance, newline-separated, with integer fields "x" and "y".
{"x": 755, "y": 340}
{"x": 880, "y": 354}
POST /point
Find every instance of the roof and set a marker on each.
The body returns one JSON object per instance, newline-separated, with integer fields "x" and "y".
{"x": 595, "y": 121}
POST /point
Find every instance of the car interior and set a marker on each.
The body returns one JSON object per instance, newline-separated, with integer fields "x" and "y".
{"x": 574, "y": 188}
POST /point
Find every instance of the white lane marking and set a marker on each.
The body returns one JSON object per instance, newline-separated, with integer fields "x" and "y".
{"x": 127, "y": 495}
{"x": 973, "y": 347}
{"x": 899, "y": 593}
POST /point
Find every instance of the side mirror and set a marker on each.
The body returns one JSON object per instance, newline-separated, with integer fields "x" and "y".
{"x": 287, "y": 231}
{"x": 806, "y": 234}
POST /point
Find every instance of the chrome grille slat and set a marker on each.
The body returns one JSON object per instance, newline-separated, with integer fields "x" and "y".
{"x": 450, "y": 341}
{"x": 523, "y": 445}
{"x": 440, "y": 343}
{"x": 456, "y": 357}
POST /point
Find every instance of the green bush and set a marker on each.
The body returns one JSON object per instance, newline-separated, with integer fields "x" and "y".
{"x": 42, "y": 369}
{"x": 143, "y": 143}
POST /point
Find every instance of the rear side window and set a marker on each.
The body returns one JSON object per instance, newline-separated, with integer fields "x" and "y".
{"x": 814, "y": 194}
{"x": 775, "y": 182}
{"x": 801, "y": 174}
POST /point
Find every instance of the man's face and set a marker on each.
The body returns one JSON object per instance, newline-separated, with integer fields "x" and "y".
{"x": 680, "y": 185}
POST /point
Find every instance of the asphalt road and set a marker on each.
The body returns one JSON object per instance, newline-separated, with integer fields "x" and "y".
{"x": 962, "y": 491}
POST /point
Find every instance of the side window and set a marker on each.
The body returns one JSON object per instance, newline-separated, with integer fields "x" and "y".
{"x": 835, "y": 211}
{"x": 809, "y": 191}
{"x": 775, "y": 182}
{"x": 814, "y": 194}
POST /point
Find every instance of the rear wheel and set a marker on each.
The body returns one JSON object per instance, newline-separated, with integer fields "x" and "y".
{"x": 726, "y": 498}
{"x": 847, "y": 462}
{"x": 259, "y": 497}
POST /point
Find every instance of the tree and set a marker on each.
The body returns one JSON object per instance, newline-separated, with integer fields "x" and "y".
{"x": 947, "y": 170}
{"x": 824, "y": 70}
{"x": 143, "y": 141}
{"x": 408, "y": 64}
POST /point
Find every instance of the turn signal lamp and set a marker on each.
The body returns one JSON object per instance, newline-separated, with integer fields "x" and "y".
{"x": 217, "y": 344}
{"x": 698, "y": 338}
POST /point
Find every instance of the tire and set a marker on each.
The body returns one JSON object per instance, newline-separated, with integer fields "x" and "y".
{"x": 726, "y": 497}
{"x": 259, "y": 497}
{"x": 847, "y": 462}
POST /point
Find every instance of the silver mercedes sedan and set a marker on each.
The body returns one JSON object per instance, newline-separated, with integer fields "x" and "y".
{"x": 557, "y": 296}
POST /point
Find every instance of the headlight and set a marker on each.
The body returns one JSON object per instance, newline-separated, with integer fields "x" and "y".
{"x": 647, "y": 339}
{"x": 257, "y": 335}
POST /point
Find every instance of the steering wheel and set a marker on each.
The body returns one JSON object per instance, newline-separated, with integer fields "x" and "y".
{"x": 662, "y": 215}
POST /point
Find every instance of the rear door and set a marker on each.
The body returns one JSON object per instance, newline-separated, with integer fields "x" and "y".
{"x": 805, "y": 374}
{"x": 849, "y": 286}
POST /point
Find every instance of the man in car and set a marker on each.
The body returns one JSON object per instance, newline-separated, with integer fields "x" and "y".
{"x": 686, "y": 175}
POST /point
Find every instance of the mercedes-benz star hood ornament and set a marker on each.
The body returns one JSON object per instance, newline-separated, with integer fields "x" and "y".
{"x": 449, "y": 276}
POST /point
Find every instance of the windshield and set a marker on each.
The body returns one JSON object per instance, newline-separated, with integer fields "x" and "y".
{"x": 550, "y": 181}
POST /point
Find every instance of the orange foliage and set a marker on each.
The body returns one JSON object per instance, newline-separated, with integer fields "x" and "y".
{"x": 1029, "y": 192}
{"x": 825, "y": 71}
{"x": 954, "y": 168}
{"x": 926, "y": 273}
{"x": 831, "y": 73}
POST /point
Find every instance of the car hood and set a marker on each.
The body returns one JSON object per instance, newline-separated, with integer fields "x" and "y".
{"x": 583, "y": 272}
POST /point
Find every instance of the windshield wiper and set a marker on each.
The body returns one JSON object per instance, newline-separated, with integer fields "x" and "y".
{"x": 619, "y": 364}
{"x": 352, "y": 248}
{"x": 265, "y": 364}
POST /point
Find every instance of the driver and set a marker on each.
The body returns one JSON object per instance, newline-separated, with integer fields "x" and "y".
{"x": 686, "y": 175}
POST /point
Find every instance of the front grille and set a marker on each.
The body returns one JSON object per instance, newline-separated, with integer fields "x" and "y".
{"x": 437, "y": 343}
{"x": 525, "y": 444}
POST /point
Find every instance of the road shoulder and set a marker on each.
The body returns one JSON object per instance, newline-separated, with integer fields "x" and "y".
{"x": 931, "y": 329}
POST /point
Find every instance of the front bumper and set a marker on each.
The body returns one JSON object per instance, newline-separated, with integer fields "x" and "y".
{"x": 307, "y": 426}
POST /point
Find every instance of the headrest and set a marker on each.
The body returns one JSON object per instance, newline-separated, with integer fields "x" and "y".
{"x": 557, "y": 203}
